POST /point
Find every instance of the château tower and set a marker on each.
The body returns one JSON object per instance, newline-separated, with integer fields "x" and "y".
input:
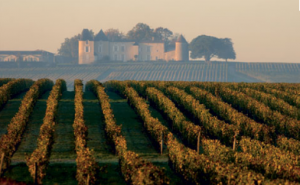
{"x": 86, "y": 48}
{"x": 181, "y": 49}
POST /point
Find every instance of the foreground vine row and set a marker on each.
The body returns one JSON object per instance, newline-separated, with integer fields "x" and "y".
{"x": 257, "y": 110}
{"x": 275, "y": 104}
{"x": 12, "y": 88}
{"x": 134, "y": 169}
{"x": 270, "y": 167}
{"x": 282, "y": 93}
{"x": 85, "y": 162}
{"x": 248, "y": 127}
{"x": 16, "y": 127}
{"x": 40, "y": 156}
{"x": 194, "y": 167}
{"x": 214, "y": 136}
{"x": 4, "y": 81}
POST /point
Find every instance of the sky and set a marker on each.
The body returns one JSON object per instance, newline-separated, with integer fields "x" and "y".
{"x": 261, "y": 30}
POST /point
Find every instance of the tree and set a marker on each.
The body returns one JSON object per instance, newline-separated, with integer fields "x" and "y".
{"x": 114, "y": 35}
{"x": 69, "y": 48}
{"x": 226, "y": 50}
{"x": 140, "y": 32}
{"x": 163, "y": 34}
{"x": 208, "y": 47}
{"x": 173, "y": 38}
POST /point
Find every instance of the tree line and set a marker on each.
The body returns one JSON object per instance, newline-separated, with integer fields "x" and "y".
{"x": 201, "y": 46}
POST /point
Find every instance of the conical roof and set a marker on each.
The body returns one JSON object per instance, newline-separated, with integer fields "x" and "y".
{"x": 181, "y": 39}
{"x": 101, "y": 36}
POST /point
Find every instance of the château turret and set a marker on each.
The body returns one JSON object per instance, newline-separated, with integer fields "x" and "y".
{"x": 181, "y": 49}
{"x": 86, "y": 48}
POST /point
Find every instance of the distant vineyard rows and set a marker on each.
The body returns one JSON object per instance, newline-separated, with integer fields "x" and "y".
{"x": 164, "y": 72}
{"x": 267, "y": 67}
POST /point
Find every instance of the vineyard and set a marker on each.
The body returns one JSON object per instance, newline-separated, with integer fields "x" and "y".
{"x": 149, "y": 132}
{"x": 172, "y": 71}
{"x": 270, "y": 72}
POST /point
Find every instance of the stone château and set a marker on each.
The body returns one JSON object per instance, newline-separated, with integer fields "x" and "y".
{"x": 99, "y": 48}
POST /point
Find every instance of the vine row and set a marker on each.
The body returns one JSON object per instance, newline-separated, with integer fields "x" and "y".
{"x": 290, "y": 98}
{"x": 13, "y": 88}
{"x": 85, "y": 162}
{"x": 215, "y": 128}
{"x": 194, "y": 167}
{"x": 41, "y": 155}
{"x": 266, "y": 164}
{"x": 247, "y": 126}
{"x": 257, "y": 110}
{"x": 134, "y": 169}
{"x": 16, "y": 127}
{"x": 275, "y": 104}
{"x": 190, "y": 132}
{"x": 4, "y": 81}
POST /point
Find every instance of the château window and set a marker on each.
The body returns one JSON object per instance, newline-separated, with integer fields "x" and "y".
{"x": 115, "y": 48}
{"x": 99, "y": 49}
{"x": 87, "y": 49}
{"x": 116, "y": 57}
{"x": 122, "y": 57}
{"x": 87, "y": 42}
{"x": 122, "y": 48}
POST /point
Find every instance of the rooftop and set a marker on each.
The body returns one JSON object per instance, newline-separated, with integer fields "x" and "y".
{"x": 181, "y": 39}
{"x": 25, "y": 52}
{"x": 101, "y": 36}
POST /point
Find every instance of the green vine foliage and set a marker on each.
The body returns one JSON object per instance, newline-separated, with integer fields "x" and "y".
{"x": 41, "y": 154}
{"x": 16, "y": 127}
{"x": 134, "y": 169}
{"x": 86, "y": 164}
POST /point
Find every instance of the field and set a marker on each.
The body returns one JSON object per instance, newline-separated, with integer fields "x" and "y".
{"x": 270, "y": 72}
{"x": 143, "y": 132}
{"x": 172, "y": 71}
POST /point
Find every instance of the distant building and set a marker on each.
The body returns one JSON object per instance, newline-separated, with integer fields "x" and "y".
{"x": 27, "y": 56}
{"x": 101, "y": 48}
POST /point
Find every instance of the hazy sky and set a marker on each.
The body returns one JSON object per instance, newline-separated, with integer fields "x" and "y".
{"x": 261, "y": 30}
